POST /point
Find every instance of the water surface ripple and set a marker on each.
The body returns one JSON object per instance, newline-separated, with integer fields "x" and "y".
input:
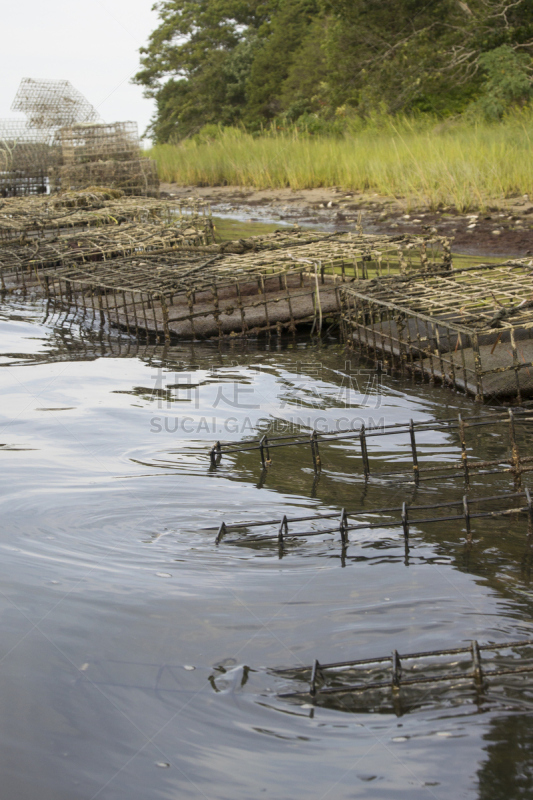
{"x": 136, "y": 654}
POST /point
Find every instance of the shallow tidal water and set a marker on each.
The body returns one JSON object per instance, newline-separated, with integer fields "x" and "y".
{"x": 137, "y": 656}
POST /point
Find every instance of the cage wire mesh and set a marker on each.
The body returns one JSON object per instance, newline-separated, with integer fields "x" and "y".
{"x": 81, "y": 150}
{"x": 51, "y": 104}
{"x": 274, "y": 286}
{"x": 26, "y": 156}
{"x": 135, "y": 177}
{"x": 469, "y": 328}
{"x": 84, "y": 143}
{"x": 26, "y": 220}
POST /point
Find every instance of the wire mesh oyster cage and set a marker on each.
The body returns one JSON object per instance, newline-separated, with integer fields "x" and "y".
{"x": 470, "y": 328}
{"x": 219, "y": 293}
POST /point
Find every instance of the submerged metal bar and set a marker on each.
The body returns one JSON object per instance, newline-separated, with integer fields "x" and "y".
{"x": 405, "y": 520}
{"x": 398, "y": 679}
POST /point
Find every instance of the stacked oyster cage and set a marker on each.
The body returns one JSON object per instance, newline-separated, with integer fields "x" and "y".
{"x": 63, "y": 144}
{"x": 104, "y": 155}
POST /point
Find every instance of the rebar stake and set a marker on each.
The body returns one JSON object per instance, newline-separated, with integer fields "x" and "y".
{"x": 413, "y": 449}
{"x": 283, "y": 531}
{"x": 314, "y": 451}
{"x": 216, "y": 450}
{"x": 405, "y": 522}
{"x": 476, "y": 659}
{"x": 221, "y": 532}
{"x": 314, "y": 672}
{"x": 466, "y": 511}
{"x": 396, "y": 670}
{"x": 464, "y": 456}
{"x": 344, "y": 526}
{"x": 364, "y": 453}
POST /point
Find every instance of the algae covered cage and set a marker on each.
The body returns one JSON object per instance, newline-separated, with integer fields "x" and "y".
{"x": 469, "y": 328}
{"x": 273, "y": 283}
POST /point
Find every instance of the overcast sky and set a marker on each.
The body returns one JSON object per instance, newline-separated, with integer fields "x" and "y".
{"x": 94, "y": 44}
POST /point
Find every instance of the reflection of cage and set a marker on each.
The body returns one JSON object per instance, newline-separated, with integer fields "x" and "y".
{"x": 470, "y": 328}
{"x": 397, "y": 673}
{"x": 118, "y": 141}
{"x": 404, "y": 517}
{"x": 426, "y": 465}
{"x": 52, "y": 103}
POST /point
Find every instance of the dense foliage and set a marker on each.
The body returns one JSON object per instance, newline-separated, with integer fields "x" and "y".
{"x": 321, "y": 64}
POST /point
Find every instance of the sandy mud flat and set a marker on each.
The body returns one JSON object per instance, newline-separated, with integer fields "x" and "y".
{"x": 506, "y": 228}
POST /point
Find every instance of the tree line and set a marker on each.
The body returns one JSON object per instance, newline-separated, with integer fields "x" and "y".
{"x": 318, "y": 64}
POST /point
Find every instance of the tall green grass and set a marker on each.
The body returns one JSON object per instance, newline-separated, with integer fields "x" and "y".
{"x": 465, "y": 165}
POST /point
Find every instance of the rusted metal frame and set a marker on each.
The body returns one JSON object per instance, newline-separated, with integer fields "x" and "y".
{"x": 153, "y": 299}
{"x": 405, "y": 521}
{"x": 516, "y": 364}
{"x": 402, "y": 344}
{"x": 126, "y": 315}
{"x": 164, "y": 312}
{"x": 393, "y": 355}
{"x": 446, "y": 425}
{"x": 216, "y": 312}
{"x": 430, "y": 353}
{"x": 514, "y": 449}
{"x": 241, "y": 306}
{"x": 292, "y": 326}
{"x": 420, "y": 350}
{"x": 448, "y": 651}
{"x": 190, "y": 316}
{"x": 133, "y": 304}
{"x": 465, "y": 369}
{"x": 375, "y": 311}
{"x": 143, "y": 306}
{"x": 477, "y": 366}
{"x": 451, "y": 361}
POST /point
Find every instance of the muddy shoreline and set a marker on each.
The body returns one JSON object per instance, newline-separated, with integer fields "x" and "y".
{"x": 504, "y": 229}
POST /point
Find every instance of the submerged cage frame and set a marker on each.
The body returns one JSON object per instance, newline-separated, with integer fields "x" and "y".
{"x": 404, "y": 517}
{"x": 516, "y": 465}
{"x": 471, "y": 328}
{"x": 477, "y": 674}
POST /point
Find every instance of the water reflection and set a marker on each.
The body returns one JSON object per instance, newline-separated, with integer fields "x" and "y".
{"x": 111, "y": 588}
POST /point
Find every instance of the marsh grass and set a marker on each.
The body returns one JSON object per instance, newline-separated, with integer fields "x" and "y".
{"x": 465, "y": 165}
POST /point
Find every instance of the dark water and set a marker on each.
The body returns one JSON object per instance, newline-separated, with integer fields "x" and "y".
{"x": 135, "y": 654}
